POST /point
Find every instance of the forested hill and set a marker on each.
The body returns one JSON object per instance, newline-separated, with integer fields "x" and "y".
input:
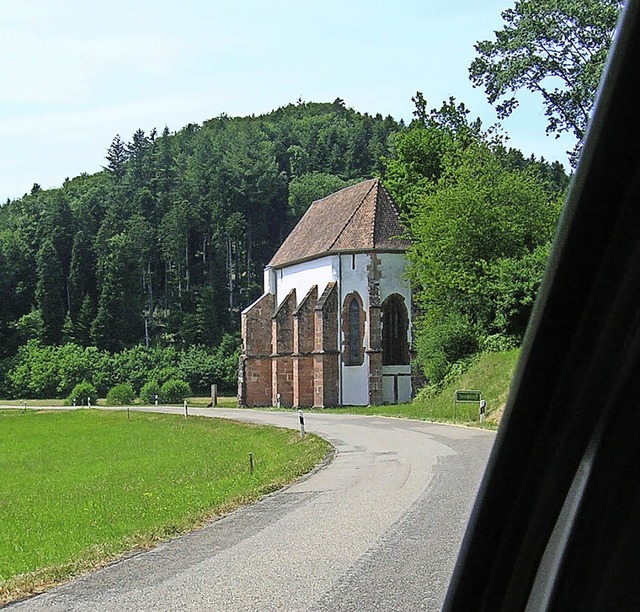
{"x": 173, "y": 235}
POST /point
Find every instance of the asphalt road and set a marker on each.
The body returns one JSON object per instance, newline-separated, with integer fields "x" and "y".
{"x": 378, "y": 528}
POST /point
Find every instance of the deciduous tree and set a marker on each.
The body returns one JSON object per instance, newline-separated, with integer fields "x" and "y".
{"x": 478, "y": 254}
{"x": 553, "y": 48}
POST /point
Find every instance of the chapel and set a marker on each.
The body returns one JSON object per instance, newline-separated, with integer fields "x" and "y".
{"x": 333, "y": 326}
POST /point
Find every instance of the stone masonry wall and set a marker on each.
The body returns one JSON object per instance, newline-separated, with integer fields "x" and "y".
{"x": 282, "y": 341}
{"x": 254, "y": 375}
{"x": 375, "y": 332}
{"x": 303, "y": 343}
{"x": 326, "y": 354}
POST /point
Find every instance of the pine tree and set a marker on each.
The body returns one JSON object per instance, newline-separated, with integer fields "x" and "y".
{"x": 116, "y": 158}
{"x": 50, "y": 292}
{"x": 83, "y": 323}
{"x": 81, "y": 273}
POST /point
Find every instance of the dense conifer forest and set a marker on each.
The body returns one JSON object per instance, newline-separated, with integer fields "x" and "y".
{"x": 166, "y": 245}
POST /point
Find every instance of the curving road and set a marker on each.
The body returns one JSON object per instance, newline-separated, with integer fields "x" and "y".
{"x": 376, "y": 529}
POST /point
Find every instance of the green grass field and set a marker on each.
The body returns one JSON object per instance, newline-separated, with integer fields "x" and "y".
{"x": 78, "y": 488}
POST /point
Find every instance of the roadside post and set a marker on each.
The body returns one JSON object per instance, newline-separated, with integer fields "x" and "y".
{"x": 277, "y": 400}
{"x": 301, "y": 419}
{"x": 186, "y": 412}
{"x": 155, "y": 398}
{"x": 88, "y": 402}
{"x": 483, "y": 408}
{"x": 214, "y": 395}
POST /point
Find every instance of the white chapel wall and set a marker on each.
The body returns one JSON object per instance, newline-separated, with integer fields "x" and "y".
{"x": 392, "y": 267}
{"x": 355, "y": 379}
{"x": 303, "y": 276}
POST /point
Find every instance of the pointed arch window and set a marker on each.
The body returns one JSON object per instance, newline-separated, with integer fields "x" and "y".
{"x": 395, "y": 327}
{"x": 353, "y": 329}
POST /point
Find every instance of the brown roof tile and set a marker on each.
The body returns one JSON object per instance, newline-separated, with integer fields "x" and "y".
{"x": 362, "y": 217}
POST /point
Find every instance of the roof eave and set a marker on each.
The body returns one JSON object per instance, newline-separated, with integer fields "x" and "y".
{"x": 293, "y": 262}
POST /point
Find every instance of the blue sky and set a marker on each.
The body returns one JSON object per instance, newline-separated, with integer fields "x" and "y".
{"x": 76, "y": 73}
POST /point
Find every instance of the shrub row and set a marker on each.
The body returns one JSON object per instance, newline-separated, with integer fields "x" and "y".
{"x": 40, "y": 371}
{"x": 171, "y": 392}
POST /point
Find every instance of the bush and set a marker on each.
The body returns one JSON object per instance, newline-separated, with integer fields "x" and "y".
{"x": 174, "y": 391}
{"x": 121, "y": 395}
{"x": 201, "y": 366}
{"x": 443, "y": 341}
{"x": 80, "y": 393}
{"x": 149, "y": 391}
{"x": 41, "y": 371}
{"x": 34, "y": 371}
{"x": 499, "y": 343}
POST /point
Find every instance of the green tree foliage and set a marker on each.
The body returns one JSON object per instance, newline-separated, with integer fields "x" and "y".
{"x": 33, "y": 372}
{"x": 421, "y": 153}
{"x": 481, "y": 217}
{"x": 30, "y": 326}
{"x": 50, "y": 292}
{"x": 481, "y": 241}
{"x": 168, "y": 243}
{"x": 553, "y": 48}
{"x": 82, "y": 281}
{"x": 82, "y": 325}
{"x": 116, "y": 158}
{"x": 42, "y": 371}
{"x": 119, "y": 314}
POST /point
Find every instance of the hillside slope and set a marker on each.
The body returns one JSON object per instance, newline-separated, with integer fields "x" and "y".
{"x": 490, "y": 374}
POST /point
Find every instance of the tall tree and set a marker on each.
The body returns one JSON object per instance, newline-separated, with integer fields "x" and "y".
{"x": 119, "y": 318}
{"x": 116, "y": 158}
{"x": 81, "y": 273}
{"x": 553, "y": 48}
{"x": 50, "y": 292}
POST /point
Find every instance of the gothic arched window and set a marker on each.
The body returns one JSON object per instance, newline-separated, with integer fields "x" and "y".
{"x": 353, "y": 329}
{"x": 395, "y": 325}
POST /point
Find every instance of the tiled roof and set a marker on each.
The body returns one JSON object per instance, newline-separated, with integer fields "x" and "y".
{"x": 358, "y": 218}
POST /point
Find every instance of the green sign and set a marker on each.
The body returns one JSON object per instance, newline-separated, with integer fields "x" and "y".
{"x": 467, "y": 396}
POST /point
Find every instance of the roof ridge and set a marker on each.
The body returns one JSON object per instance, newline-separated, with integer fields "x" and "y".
{"x": 375, "y": 214}
{"x": 331, "y": 195}
{"x": 387, "y": 205}
{"x": 353, "y": 214}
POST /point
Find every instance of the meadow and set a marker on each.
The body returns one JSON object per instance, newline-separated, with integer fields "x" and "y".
{"x": 78, "y": 488}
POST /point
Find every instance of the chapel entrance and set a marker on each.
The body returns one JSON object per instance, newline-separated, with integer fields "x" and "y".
{"x": 396, "y": 368}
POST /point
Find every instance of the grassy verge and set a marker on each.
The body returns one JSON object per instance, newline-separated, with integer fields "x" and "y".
{"x": 198, "y": 402}
{"x": 223, "y": 402}
{"x": 491, "y": 374}
{"x": 79, "y": 488}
